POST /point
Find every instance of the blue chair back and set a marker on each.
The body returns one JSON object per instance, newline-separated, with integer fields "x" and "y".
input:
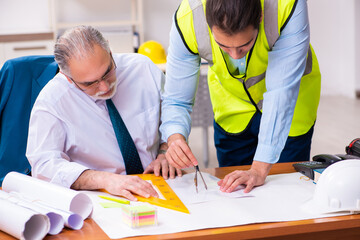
{"x": 21, "y": 80}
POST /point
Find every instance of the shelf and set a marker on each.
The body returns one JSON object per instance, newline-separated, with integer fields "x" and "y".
{"x": 135, "y": 23}
{"x": 26, "y": 37}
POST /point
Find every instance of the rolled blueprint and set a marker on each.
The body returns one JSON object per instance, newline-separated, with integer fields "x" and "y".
{"x": 21, "y": 222}
{"x": 54, "y": 195}
{"x": 56, "y": 220}
{"x": 69, "y": 219}
{"x": 72, "y": 220}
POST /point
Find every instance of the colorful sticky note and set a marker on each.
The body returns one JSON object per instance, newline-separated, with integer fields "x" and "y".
{"x": 139, "y": 215}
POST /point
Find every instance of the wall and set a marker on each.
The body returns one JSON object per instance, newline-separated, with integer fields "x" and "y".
{"x": 357, "y": 47}
{"x": 158, "y": 28}
{"x": 335, "y": 29}
{"x": 24, "y": 16}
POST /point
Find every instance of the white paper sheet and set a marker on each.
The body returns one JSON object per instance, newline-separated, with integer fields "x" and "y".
{"x": 57, "y": 196}
{"x": 280, "y": 199}
{"x": 21, "y": 222}
{"x": 185, "y": 188}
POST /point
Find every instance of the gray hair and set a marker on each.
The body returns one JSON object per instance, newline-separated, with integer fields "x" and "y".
{"x": 77, "y": 43}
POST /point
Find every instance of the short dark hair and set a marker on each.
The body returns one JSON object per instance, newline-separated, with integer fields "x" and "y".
{"x": 233, "y": 16}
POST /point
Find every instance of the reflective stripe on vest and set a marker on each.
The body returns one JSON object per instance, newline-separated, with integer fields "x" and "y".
{"x": 271, "y": 22}
{"x": 201, "y": 30}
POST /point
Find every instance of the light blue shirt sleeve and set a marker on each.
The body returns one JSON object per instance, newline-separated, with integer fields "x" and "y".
{"x": 286, "y": 65}
{"x": 182, "y": 72}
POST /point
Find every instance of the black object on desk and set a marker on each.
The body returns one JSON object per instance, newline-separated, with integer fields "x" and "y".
{"x": 319, "y": 161}
{"x": 307, "y": 168}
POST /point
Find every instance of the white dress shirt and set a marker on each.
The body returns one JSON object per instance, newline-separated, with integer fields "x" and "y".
{"x": 70, "y": 132}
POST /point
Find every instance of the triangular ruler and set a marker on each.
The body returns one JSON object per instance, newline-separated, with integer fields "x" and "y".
{"x": 171, "y": 201}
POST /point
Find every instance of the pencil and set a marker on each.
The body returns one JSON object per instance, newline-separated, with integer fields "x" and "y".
{"x": 118, "y": 200}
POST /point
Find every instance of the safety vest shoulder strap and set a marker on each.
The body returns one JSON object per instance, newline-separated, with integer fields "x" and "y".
{"x": 271, "y": 22}
{"x": 201, "y": 29}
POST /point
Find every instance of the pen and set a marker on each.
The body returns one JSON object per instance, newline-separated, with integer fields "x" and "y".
{"x": 118, "y": 200}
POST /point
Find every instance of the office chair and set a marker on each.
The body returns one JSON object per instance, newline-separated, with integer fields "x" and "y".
{"x": 21, "y": 80}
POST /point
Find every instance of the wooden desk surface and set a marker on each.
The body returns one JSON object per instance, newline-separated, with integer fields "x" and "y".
{"x": 332, "y": 228}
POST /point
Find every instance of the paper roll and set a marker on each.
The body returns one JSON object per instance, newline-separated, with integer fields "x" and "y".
{"x": 72, "y": 220}
{"x": 22, "y": 222}
{"x": 55, "y": 195}
{"x": 56, "y": 220}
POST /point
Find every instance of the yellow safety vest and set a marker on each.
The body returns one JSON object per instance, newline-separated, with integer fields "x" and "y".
{"x": 236, "y": 98}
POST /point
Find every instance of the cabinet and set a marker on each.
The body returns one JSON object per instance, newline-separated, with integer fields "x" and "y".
{"x": 18, "y": 45}
{"x": 120, "y": 41}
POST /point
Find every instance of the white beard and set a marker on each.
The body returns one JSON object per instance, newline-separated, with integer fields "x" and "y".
{"x": 112, "y": 88}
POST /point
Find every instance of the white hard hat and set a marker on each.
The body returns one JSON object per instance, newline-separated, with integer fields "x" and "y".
{"x": 338, "y": 188}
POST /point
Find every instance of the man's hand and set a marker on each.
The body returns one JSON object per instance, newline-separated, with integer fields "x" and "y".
{"x": 254, "y": 177}
{"x": 179, "y": 154}
{"x": 162, "y": 165}
{"x": 116, "y": 184}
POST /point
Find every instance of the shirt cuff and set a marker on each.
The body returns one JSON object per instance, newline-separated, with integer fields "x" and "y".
{"x": 68, "y": 174}
{"x": 172, "y": 129}
{"x": 267, "y": 153}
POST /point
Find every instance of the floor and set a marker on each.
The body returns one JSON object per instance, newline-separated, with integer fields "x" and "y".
{"x": 336, "y": 126}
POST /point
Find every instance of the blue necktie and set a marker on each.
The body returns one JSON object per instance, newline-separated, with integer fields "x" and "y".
{"x": 126, "y": 144}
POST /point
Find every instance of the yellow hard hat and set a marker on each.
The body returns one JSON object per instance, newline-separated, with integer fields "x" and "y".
{"x": 154, "y": 51}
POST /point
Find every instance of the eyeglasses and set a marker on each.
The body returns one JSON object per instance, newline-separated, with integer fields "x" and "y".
{"x": 94, "y": 84}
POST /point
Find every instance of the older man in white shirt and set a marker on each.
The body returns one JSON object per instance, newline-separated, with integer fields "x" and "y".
{"x": 71, "y": 138}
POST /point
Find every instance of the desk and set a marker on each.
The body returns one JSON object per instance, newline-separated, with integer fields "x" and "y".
{"x": 332, "y": 228}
